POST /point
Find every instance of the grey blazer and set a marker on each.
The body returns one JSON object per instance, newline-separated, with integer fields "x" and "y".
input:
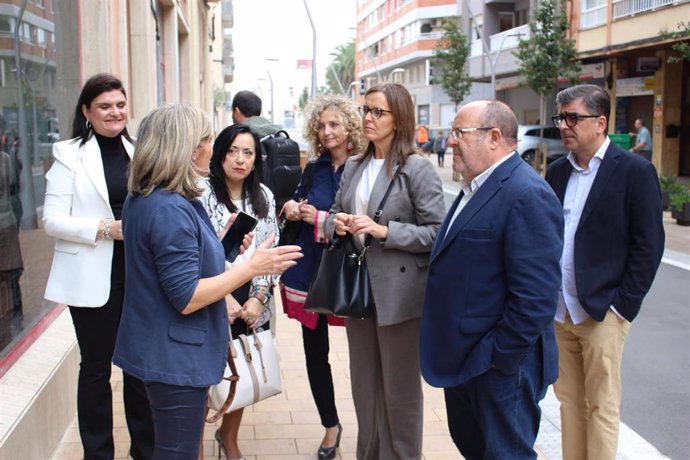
{"x": 413, "y": 213}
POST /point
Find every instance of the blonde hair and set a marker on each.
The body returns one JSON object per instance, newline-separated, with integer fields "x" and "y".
{"x": 166, "y": 140}
{"x": 348, "y": 114}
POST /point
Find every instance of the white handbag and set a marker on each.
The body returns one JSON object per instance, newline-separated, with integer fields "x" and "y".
{"x": 250, "y": 376}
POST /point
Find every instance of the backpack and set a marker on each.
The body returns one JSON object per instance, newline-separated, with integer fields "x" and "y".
{"x": 281, "y": 165}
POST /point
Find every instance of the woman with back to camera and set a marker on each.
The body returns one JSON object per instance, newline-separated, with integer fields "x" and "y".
{"x": 384, "y": 349}
{"x": 174, "y": 333}
{"x": 234, "y": 185}
{"x": 333, "y": 130}
{"x": 86, "y": 189}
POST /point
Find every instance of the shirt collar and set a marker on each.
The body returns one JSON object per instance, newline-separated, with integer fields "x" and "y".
{"x": 599, "y": 156}
{"x": 481, "y": 178}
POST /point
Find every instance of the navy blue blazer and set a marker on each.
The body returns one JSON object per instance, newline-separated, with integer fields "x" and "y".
{"x": 493, "y": 280}
{"x": 168, "y": 249}
{"x": 619, "y": 241}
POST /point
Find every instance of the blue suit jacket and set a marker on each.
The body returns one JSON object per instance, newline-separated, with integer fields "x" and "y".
{"x": 493, "y": 280}
{"x": 620, "y": 238}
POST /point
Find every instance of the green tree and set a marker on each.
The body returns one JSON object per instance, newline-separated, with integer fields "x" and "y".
{"x": 341, "y": 71}
{"x": 682, "y": 45}
{"x": 548, "y": 53}
{"x": 450, "y": 59}
{"x": 303, "y": 98}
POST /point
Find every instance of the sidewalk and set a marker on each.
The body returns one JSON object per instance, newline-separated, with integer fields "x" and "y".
{"x": 287, "y": 426}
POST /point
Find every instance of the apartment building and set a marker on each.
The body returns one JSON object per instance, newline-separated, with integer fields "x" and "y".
{"x": 623, "y": 37}
{"x": 395, "y": 42}
{"x": 164, "y": 51}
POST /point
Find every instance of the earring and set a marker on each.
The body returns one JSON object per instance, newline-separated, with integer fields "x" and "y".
{"x": 321, "y": 148}
{"x": 88, "y": 125}
{"x": 350, "y": 147}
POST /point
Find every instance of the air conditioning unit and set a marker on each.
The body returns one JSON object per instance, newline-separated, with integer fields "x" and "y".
{"x": 648, "y": 64}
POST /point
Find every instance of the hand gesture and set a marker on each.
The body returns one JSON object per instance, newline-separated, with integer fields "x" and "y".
{"x": 251, "y": 311}
{"x": 291, "y": 210}
{"x": 116, "y": 230}
{"x": 267, "y": 260}
{"x": 342, "y": 223}
{"x": 364, "y": 224}
{"x": 307, "y": 212}
{"x": 233, "y": 307}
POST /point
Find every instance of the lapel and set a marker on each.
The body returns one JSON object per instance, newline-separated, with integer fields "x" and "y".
{"x": 606, "y": 169}
{"x": 380, "y": 186}
{"x": 93, "y": 166}
{"x": 493, "y": 185}
{"x": 444, "y": 226}
{"x": 559, "y": 182}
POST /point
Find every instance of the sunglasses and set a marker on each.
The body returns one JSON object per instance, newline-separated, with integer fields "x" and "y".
{"x": 571, "y": 119}
{"x": 376, "y": 112}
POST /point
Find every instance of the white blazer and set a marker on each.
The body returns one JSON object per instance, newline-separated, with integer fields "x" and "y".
{"x": 76, "y": 201}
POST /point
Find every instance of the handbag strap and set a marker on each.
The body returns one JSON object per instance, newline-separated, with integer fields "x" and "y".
{"x": 379, "y": 211}
{"x": 233, "y": 378}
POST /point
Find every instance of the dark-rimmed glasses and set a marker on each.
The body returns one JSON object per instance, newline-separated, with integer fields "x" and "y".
{"x": 376, "y": 112}
{"x": 457, "y": 133}
{"x": 571, "y": 119}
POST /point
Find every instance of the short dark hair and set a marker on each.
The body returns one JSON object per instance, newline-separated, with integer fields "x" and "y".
{"x": 595, "y": 98}
{"x": 251, "y": 188}
{"x": 94, "y": 87}
{"x": 248, "y": 103}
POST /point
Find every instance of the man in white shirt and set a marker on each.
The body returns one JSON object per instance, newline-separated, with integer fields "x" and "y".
{"x": 613, "y": 243}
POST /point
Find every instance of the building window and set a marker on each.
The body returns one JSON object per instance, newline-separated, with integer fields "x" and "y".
{"x": 41, "y": 37}
{"x": 6, "y": 26}
{"x": 593, "y": 13}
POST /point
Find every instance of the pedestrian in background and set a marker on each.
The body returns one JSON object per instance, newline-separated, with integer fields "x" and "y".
{"x": 86, "y": 189}
{"x": 246, "y": 109}
{"x": 487, "y": 326}
{"x": 234, "y": 185}
{"x": 643, "y": 140}
{"x": 421, "y": 137}
{"x": 614, "y": 240}
{"x": 384, "y": 349}
{"x": 440, "y": 146}
{"x": 174, "y": 329}
{"x": 333, "y": 129}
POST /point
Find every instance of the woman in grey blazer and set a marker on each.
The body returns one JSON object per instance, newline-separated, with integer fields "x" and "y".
{"x": 384, "y": 349}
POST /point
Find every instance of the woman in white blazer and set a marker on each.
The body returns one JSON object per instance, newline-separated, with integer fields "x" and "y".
{"x": 85, "y": 191}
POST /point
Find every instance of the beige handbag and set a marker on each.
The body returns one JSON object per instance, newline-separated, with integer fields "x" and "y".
{"x": 250, "y": 376}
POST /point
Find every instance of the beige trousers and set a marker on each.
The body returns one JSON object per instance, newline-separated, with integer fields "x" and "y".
{"x": 386, "y": 389}
{"x": 589, "y": 386}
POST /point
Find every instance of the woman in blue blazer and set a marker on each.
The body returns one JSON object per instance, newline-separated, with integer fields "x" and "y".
{"x": 174, "y": 328}
{"x": 86, "y": 188}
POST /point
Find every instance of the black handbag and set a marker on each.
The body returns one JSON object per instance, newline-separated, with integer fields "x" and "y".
{"x": 341, "y": 285}
{"x": 289, "y": 229}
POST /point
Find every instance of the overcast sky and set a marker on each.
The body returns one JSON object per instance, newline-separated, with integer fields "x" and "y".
{"x": 279, "y": 29}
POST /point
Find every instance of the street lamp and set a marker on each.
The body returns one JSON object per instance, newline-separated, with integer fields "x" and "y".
{"x": 394, "y": 71}
{"x": 494, "y": 61}
{"x": 350, "y": 86}
{"x": 313, "y": 51}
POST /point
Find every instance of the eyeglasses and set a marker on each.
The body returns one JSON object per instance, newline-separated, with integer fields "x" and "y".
{"x": 571, "y": 119}
{"x": 458, "y": 133}
{"x": 376, "y": 112}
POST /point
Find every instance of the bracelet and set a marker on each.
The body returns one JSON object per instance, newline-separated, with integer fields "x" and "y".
{"x": 106, "y": 229}
{"x": 264, "y": 292}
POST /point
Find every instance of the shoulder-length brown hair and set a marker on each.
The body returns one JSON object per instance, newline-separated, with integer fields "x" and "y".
{"x": 166, "y": 140}
{"x": 402, "y": 109}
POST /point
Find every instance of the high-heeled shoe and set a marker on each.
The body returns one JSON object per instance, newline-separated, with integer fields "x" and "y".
{"x": 329, "y": 452}
{"x": 221, "y": 447}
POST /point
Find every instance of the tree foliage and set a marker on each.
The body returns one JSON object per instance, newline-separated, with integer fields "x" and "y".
{"x": 548, "y": 53}
{"x": 303, "y": 98}
{"x": 450, "y": 59}
{"x": 343, "y": 65}
{"x": 682, "y": 46}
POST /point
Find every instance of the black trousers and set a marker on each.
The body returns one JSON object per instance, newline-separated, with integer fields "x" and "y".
{"x": 316, "y": 348}
{"x": 96, "y": 330}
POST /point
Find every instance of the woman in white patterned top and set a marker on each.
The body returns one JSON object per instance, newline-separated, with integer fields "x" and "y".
{"x": 234, "y": 185}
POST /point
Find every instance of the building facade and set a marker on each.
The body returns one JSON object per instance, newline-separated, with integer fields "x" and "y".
{"x": 163, "y": 51}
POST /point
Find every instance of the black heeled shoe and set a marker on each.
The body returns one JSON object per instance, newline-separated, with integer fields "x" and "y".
{"x": 221, "y": 447}
{"x": 329, "y": 452}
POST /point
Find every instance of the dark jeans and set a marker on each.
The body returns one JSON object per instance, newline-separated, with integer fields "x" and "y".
{"x": 96, "y": 330}
{"x": 178, "y": 418}
{"x": 316, "y": 348}
{"x": 496, "y": 416}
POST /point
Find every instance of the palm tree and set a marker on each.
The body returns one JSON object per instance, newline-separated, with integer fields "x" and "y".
{"x": 341, "y": 71}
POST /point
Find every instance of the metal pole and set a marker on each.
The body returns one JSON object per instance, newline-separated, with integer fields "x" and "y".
{"x": 313, "y": 52}
{"x": 273, "y": 115}
{"x": 337, "y": 79}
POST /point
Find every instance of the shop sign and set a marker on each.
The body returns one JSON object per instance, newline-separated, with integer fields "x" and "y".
{"x": 636, "y": 86}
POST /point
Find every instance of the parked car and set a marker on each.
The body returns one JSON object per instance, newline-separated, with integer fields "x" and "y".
{"x": 528, "y": 138}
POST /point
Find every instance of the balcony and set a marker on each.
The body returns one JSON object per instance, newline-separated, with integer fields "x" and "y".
{"x": 593, "y": 17}
{"x": 502, "y": 41}
{"x": 501, "y": 46}
{"x": 624, "y": 8}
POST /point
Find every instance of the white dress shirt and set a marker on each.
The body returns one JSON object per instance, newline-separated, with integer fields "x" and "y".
{"x": 576, "y": 193}
{"x": 468, "y": 190}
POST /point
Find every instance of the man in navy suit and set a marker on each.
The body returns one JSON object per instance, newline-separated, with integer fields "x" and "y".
{"x": 487, "y": 331}
{"x": 613, "y": 243}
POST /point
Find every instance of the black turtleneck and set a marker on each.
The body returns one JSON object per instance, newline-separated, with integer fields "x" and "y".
{"x": 115, "y": 166}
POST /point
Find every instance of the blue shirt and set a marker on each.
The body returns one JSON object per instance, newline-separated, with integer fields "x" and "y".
{"x": 644, "y": 137}
{"x": 169, "y": 248}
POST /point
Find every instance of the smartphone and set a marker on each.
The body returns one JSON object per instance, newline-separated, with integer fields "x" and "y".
{"x": 232, "y": 241}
